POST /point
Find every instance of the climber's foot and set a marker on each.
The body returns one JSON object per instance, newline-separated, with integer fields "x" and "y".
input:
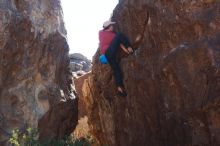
{"x": 121, "y": 92}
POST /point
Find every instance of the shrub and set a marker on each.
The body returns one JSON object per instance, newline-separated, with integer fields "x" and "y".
{"x": 30, "y": 138}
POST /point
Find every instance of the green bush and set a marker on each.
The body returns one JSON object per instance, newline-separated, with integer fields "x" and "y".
{"x": 30, "y": 138}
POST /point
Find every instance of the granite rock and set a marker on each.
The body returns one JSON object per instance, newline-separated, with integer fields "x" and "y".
{"x": 172, "y": 79}
{"x": 34, "y": 68}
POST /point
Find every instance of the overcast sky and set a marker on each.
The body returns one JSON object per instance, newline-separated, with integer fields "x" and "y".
{"x": 83, "y": 19}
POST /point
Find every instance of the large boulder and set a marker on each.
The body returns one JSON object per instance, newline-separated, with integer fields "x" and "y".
{"x": 34, "y": 69}
{"x": 172, "y": 80}
{"x": 78, "y": 62}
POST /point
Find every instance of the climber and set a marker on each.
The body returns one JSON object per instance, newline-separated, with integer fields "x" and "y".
{"x": 109, "y": 43}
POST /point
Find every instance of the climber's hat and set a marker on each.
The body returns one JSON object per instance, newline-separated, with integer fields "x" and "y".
{"x": 107, "y": 24}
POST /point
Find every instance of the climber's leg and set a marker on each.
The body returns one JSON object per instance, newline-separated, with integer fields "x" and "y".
{"x": 115, "y": 44}
{"x": 117, "y": 72}
{"x": 118, "y": 77}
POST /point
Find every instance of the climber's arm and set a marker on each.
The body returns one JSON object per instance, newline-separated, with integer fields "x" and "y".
{"x": 124, "y": 49}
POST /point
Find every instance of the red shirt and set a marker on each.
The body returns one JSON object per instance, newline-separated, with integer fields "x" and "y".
{"x": 105, "y": 39}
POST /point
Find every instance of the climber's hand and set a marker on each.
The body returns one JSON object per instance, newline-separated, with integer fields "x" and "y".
{"x": 130, "y": 50}
{"x": 124, "y": 49}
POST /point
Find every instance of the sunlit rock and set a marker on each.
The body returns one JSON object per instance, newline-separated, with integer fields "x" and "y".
{"x": 34, "y": 67}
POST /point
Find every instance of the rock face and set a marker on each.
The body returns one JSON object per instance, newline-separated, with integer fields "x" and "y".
{"x": 34, "y": 73}
{"x": 172, "y": 80}
{"x": 79, "y": 82}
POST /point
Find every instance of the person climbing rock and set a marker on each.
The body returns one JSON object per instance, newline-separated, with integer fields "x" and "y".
{"x": 109, "y": 43}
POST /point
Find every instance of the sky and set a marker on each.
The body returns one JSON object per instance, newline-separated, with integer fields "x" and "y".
{"x": 83, "y": 20}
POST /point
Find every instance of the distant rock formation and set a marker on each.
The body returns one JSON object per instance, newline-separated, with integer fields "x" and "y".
{"x": 79, "y": 64}
{"x": 172, "y": 80}
{"x": 34, "y": 70}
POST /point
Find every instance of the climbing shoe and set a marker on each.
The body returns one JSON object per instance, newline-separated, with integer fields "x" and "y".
{"x": 122, "y": 94}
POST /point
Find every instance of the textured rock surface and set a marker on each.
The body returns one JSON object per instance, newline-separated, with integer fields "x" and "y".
{"x": 82, "y": 128}
{"x": 172, "y": 80}
{"x": 34, "y": 73}
{"x": 79, "y": 82}
{"x": 60, "y": 121}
